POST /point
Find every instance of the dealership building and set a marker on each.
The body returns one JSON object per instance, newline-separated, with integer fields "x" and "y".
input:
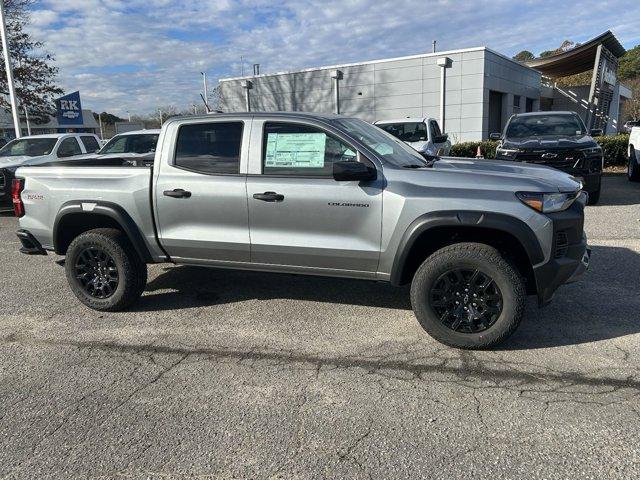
{"x": 472, "y": 92}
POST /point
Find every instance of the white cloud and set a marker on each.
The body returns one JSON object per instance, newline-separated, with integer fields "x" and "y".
{"x": 134, "y": 55}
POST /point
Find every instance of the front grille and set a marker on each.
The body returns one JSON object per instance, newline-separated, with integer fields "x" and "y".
{"x": 562, "y": 244}
{"x": 563, "y": 158}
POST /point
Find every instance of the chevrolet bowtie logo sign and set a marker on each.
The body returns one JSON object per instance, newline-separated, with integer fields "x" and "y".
{"x": 549, "y": 155}
{"x": 69, "y": 110}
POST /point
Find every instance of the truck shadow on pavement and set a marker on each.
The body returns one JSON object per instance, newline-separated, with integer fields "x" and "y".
{"x": 618, "y": 190}
{"x": 602, "y": 305}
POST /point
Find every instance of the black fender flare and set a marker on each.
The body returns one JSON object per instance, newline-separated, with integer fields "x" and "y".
{"x": 108, "y": 209}
{"x": 465, "y": 218}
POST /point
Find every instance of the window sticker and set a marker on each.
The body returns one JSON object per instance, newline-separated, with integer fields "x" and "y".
{"x": 295, "y": 150}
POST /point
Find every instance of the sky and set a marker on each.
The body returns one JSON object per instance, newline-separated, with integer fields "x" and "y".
{"x": 137, "y": 55}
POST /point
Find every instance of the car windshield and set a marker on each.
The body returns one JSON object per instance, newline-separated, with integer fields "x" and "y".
{"x": 137, "y": 143}
{"x": 30, "y": 147}
{"x": 387, "y": 146}
{"x": 544, "y": 125}
{"x": 406, "y": 131}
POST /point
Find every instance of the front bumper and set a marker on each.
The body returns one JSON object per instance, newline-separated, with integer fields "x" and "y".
{"x": 570, "y": 253}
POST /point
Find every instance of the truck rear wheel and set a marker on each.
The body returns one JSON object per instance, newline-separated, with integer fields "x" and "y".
{"x": 468, "y": 296}
{"x": 104, "y": 270}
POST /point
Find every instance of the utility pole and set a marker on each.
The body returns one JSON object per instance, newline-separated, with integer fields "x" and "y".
{"x": 7, "y": 63}
{"x": 160, "y": 114}
{"x": 129, "y": 114}
{"x": 241, "y": 66}
{"x": 26, "y": 116}
{"x": 195, "y": 109}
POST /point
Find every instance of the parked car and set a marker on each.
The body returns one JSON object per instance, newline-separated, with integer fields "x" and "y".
{"x": 626, "y": 128}
{"x": 138, "y": 141}
{"x": 633, "y": 168}
{"x": 320, "y": 195}
{"x": 423, "y": 134}
{"x": 556, "y": 139}
{"x": 39, "y": 149}
{"x": 131, "y": 148}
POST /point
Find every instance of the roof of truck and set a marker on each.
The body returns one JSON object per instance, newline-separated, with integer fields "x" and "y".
{"x": 324, "y": 116}
{"x": 55, "y": 135}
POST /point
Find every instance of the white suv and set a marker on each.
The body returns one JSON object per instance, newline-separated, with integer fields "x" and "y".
{"x": 423, "y": 134}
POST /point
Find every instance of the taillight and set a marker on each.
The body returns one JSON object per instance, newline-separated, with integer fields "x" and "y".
{"x": 16, "y": 189}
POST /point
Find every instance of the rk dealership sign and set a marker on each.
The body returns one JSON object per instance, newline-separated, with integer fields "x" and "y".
{"x": 69, "y": 109}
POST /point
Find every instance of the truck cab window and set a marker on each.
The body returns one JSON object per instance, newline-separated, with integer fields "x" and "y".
{"x": 211, "y": 148}
{"x": 69, "y": 147}
{"x": 302, "y": 150}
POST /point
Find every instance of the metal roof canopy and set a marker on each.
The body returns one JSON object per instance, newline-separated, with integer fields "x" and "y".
{"x": 579, "y": 59}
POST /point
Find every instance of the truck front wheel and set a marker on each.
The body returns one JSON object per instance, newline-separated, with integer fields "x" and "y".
{"x": 104, "y": 270}
{"x": 468, "y": 296}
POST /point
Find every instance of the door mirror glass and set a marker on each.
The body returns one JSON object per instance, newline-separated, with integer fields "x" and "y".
{"x": 441, "y": 138}
{"x": 495, "y": 136}
{"x": 596, "y": 132}
{"x": 351, "y": 171}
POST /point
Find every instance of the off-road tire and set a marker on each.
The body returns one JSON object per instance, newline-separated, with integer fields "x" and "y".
{"x": 473, "y": 256}
{"x": 594, "y": 197}
{"x": 131, "y": 269}
{"x": 633, "y": 169}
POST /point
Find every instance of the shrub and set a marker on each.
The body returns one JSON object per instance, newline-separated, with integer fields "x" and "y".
{"x": 614, "y": 148}
{"x": 469, "y": 149}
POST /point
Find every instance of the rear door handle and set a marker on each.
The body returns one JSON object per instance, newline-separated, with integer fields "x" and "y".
{"x": 269, "y": 197}
{"x": 177, "y": 193}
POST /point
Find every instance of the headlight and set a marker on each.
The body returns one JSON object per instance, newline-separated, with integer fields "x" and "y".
{"x": 507, "y": 152}
{"x": 592, "y": 151}
{"x": 548, "y": 202}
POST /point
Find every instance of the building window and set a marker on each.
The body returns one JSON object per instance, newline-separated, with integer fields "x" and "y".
{"x": 516, "y": 104}
{"x": 529, "y": 106}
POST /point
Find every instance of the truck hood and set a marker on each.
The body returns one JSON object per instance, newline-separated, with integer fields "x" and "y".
{"x": 550, "y": 142}
{"x": 554, "y": 179}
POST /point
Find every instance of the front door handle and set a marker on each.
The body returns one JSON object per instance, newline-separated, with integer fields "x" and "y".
{"x": 177, "y": 193}
{"x": 269, "y": 197}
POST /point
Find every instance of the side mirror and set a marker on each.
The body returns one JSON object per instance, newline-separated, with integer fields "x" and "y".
{"x": 495, "y": 136}
{"x": 441, "y": 138}
{"x": 596, "y": 132}
{"x": 351, "y": 171}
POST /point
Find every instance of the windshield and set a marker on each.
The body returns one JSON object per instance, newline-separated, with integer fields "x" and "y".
{"x": 387, "y": 146}
{"x": 138, "y": 143}
{"x": 406, "y": 131}
{"x": 30, "y": 147}
{"x": 543, "y": 125}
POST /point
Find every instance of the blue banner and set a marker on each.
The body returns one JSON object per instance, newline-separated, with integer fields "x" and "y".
{"x": 69, "y": 109}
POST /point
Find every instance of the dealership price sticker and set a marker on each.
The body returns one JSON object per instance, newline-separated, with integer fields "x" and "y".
{"x": 296, "y": 150}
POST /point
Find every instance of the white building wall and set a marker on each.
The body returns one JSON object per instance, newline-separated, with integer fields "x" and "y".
{"x": 395, "y": 88}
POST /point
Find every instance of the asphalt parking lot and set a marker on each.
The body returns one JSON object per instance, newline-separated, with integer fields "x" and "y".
{"x": 236, "y": 374}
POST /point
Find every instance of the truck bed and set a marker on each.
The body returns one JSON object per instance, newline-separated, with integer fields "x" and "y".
{"x": 49, "y": 188}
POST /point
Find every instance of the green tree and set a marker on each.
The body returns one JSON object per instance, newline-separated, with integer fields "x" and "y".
{"x": 107, "y": 118}
{"x": 33, "y": 70}
{"x": 524, "y": 56}
{"x": 629, "y": 67}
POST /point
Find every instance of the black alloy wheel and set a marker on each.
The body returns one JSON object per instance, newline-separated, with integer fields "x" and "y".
{"x": 96, "y": 272}
{"x": 466, "y": 300}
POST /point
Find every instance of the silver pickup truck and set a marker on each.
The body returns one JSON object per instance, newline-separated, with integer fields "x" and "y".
{"x": 320, "y": 195}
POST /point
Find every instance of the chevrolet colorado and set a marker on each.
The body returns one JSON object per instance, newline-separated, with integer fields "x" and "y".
{"x": 320, "y": 195}
{"x": 556, "y": 139}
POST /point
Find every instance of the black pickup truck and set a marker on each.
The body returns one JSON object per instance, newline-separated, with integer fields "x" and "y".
{"x": 555, "y": 139}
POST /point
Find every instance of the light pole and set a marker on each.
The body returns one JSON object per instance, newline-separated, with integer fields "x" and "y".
{"x": 26, "y": 116}
{"x": 205, "y": 96}
{"x": 100, "y": 122}
{"x": 129, "y": 114}
{"x": 7, "y": 63}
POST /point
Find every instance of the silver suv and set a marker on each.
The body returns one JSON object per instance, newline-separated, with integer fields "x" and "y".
{"x": 318, "y": 195}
